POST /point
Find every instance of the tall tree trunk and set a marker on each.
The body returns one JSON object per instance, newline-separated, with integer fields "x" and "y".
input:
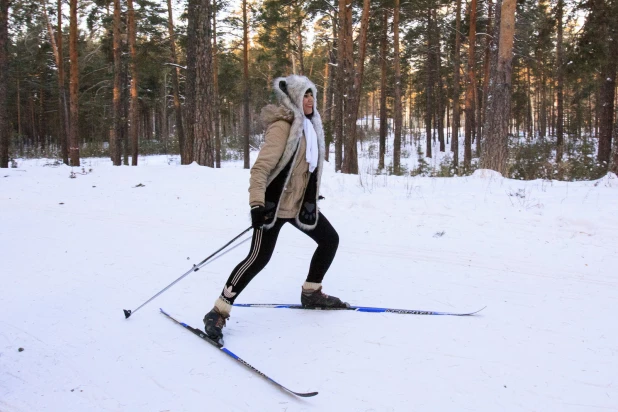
{"x": 164, "y": 123}
{"x": 325, "y": 85}
{"x": 116, "y": 143}
{"x": 486, "y": 70}
{"x": 301, "y": 52}
{"x": 63, "y": 115}
{"x": 42, "y": 123}
{"x": 456, "y": 81}
{"x": 325, "y": 103}
{"x": 529, "y": 118}
{"x": 338, "y": 95}
{"x": 346, "y": 80}
{"x": 247, "y": 90}
{"x": 440, "y": 90}
{"x": 125, "y": 98}
{"x": 613, "y": 166}
{"x": 383, "y": 66}
{"x": 398, "y": 114}
{"x": 495, "y": 154}
{"x": 607, "y": 92}
{"x": 32, "y": 122}
{"x": 180, "y": 130}
{"x": 352, "y": 76}
{"x": 74, "y": 87}
{"x": 373, "y": 111}
{"x": 18, "y": 103}
{"x": 133, "y": 108}
{"x": 62, "y": 93}
{"x": 471, "y": 86}
{"x": 429, "y": 87}
{"x": 480, "y": 90}
{"x": 215, "y": 72}
{"x": 366, "y": 111}
{"x": 199, "y": 144}
{"x": 597, "y": 110}
{"x": 343, "y": 78}
{"x": 327, "y": 107}
{"x": 478, "y": 105}
{"x": 5, "y": 133}
{"x": 543, "y": 99}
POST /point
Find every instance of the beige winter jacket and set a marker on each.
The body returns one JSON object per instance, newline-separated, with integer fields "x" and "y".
{"x": 279, "y": 178}
{"x": 275, "y": 141}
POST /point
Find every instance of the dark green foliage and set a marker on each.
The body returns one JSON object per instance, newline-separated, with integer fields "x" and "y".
{"x": 536, "y": 160}
{"x": 422, "y": 168}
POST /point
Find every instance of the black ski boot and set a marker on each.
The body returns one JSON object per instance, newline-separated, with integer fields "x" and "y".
{"x": 213, "y": 323}
{"x": 317, "y": 299}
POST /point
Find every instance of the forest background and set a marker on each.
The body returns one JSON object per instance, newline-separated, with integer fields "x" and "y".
{"x": 526, "y": 88}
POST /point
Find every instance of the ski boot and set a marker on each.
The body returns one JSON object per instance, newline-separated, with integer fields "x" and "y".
{"x": 213, "y": 323}
{"x": 315, "y": 299}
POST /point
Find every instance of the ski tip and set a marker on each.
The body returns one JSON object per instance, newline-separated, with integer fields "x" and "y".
{"x": 475, "y": 312}
{"x": 305, "y": 395}
{"x": 127, "y": 313}
{"x": 163, "y": 312}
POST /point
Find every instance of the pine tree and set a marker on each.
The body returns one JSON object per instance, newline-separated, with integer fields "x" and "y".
{"x": 560, "y": 81}
{"x": 470, "y": 110}
{"x": 74, "y": 87}
{"x": 398, "y": 114}
{"x": 133, "y": 106}
{"x": 199, "y": 144}
{"x": 456, "y": 81}
{"x": 180, "y": 130}
{"x": 495, "y": 155}
{"x": 4, "y": 84}
{"x": 116, "y": 138}
{"x": 383, "y": 91}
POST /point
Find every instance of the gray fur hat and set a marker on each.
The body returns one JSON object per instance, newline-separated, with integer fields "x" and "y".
{"x": 291, "y": 90}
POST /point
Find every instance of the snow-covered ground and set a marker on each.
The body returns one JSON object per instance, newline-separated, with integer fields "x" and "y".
{"x": 542, "y": 255}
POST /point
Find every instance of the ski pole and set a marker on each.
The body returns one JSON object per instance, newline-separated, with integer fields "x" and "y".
{"x": 195, "y": 268}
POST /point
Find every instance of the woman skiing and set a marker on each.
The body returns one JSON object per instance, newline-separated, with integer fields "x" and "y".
{"x": 284, "y": 188}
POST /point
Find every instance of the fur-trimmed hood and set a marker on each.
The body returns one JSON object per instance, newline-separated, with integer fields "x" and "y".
{"x": 291, "y": 90}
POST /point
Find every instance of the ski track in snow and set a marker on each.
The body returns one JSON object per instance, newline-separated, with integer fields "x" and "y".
{"x": 541, "y": 255}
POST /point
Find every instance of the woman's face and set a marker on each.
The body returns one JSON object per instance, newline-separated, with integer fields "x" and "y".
{"x": 308, "y": 103}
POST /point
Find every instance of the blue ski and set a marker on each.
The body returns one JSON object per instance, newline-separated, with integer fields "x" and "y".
{"x": 358, "y": 309}
{"x": 228, "y": 352}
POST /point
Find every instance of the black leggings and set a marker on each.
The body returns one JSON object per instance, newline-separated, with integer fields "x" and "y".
{"x": 263, "y": 245}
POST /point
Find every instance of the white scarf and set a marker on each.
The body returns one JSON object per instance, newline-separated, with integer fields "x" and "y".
{"x": 312, "y": 144}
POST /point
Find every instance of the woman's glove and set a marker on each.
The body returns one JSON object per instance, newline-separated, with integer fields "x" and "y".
{"x": 258, "y": 216}
{"x": 307, "y": 213}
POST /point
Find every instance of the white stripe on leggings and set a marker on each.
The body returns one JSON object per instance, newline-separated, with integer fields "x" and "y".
{"x": 249, "y": 262}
